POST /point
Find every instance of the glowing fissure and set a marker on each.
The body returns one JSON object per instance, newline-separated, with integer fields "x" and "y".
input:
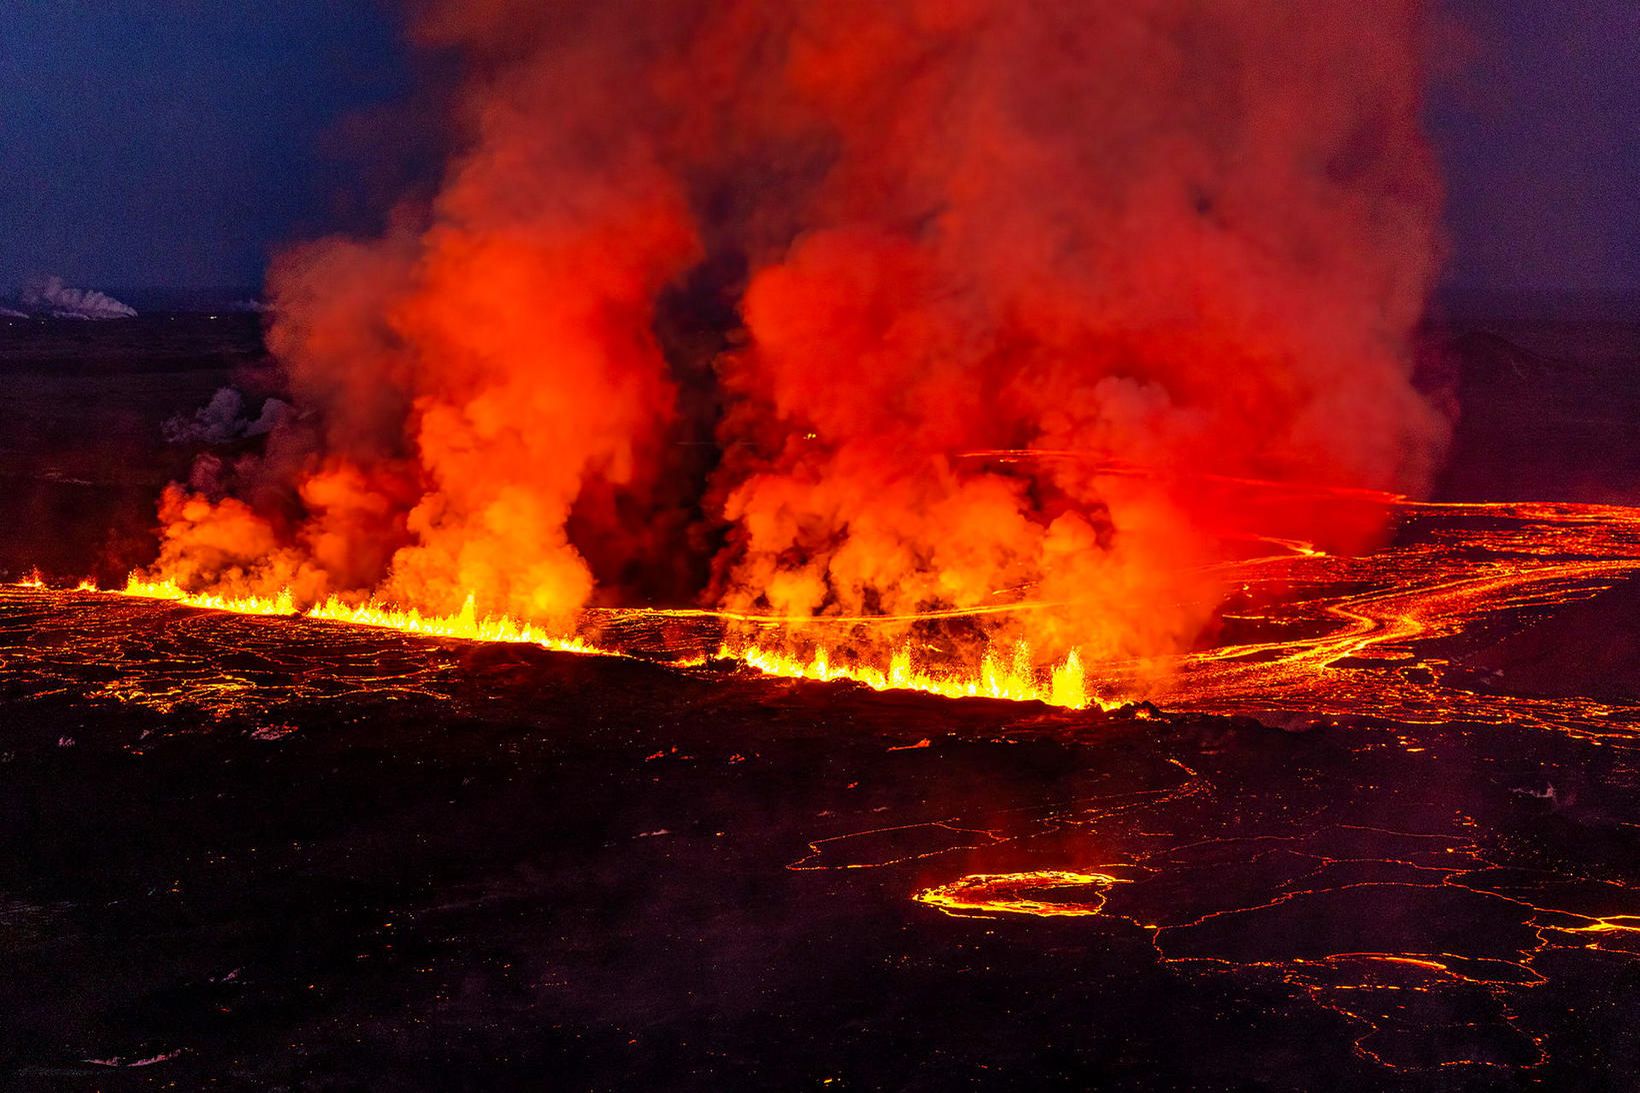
{"x": 466, "y": 624}
{"x": 1537, "y": 556}
{"x": 1015, "y": 680}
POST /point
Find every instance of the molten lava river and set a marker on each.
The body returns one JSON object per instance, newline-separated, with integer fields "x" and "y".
{"x": 1386, "y": 828}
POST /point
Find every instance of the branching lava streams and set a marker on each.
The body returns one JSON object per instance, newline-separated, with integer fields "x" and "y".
{"x": 1369, "y": 635}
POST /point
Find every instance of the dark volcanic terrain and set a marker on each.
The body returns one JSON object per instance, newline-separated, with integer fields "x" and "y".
{"x": 272, "y": 853}
{"x": 1391, "y": 841}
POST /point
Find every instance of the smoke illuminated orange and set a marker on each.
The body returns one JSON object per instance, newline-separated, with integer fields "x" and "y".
{"x": 794, "y": 311}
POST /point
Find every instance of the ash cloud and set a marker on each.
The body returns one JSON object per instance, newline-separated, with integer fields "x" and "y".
{"x": 224, "y": 419}
{"x": 896, "y": 259}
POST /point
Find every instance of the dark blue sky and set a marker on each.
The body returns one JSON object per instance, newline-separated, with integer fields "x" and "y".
{"x": 174, "y": 142}
{"x": 1539, "y": 135}
{"x": 171, "y": 142}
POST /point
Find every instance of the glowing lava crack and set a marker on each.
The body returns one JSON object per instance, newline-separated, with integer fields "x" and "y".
{"x": 1359, "y": 643}
{"x": 466, "y": 624}
{"x": 1015, "y": 679}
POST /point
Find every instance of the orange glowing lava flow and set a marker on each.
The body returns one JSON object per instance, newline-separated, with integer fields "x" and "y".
{"x": 466, "y": 624}
{"x": 1362, "y": 634}
{"x": 1328, "y": 636}
{"x": 1015, "y": 679}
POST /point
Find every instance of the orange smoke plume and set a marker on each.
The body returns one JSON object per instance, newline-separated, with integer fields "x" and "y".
{"x": 891, "y": 316}
{"x": 1193, "y": 237}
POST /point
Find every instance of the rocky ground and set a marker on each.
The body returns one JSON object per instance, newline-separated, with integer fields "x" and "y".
{"x": 267, "y": 853}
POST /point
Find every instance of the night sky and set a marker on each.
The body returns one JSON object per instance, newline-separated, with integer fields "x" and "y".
{"x": 1539, "y": 135}
{"x": 173, "y": 143}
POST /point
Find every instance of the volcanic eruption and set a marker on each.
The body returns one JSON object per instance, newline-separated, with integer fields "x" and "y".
{"x": 905, "y": 335}
{"x": 1063, "y": 363}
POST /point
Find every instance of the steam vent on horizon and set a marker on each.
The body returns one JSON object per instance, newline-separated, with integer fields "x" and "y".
{"x": 819, "y": 545}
